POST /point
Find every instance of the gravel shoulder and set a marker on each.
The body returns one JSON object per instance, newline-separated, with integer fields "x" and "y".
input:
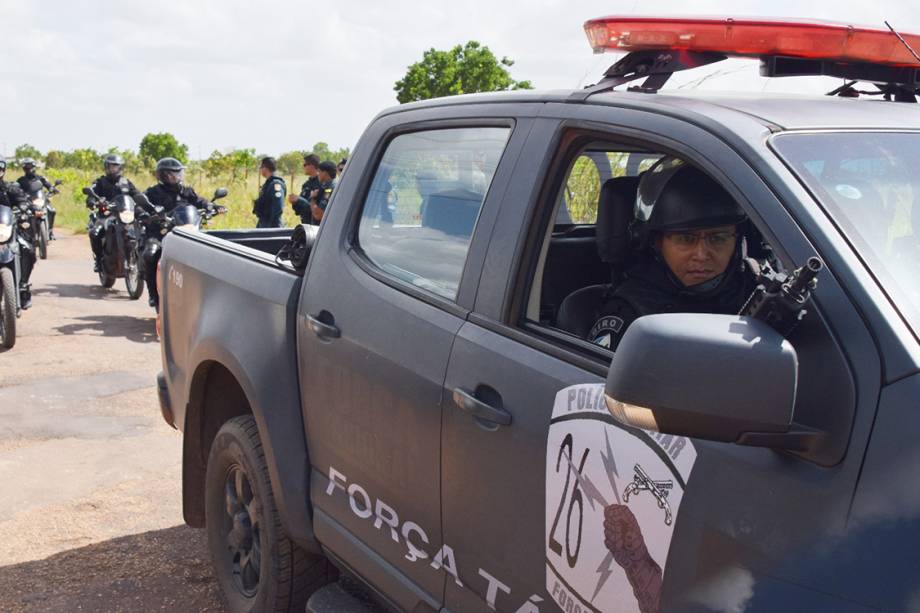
{"x": 90, "y": 469}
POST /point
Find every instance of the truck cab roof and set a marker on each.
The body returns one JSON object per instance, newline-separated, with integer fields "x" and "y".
{"x": 778, "y": 112}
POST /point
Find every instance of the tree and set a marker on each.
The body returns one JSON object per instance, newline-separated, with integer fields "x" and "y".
{"x": 162, "y": 145}
{"x": 289, "y": 163}
{"x": 322, "y": 150}
{"x": 462, "y": 70}
{"x": 27, "y": 151}
{"x": 216, "y": 165}
{"x": 55, "y": 159}
{"x": 241, "y": 162}
{"x": 83, "y": 159}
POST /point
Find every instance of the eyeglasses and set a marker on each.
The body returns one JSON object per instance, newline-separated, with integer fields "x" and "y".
{"x": 688, "y": 240}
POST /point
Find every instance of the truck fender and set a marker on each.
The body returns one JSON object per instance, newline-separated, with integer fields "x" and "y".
{"x": 278, "y": 417}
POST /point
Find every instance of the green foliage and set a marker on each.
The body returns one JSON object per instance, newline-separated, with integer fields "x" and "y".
{"x": 326, "y": 154}
{"x": 583, "y": 186}
{"x": 83, "y": 159}
{"x": 236, "y": 164}
{"x": 466, "y": 69}
{"x": 55, "y": 159}
{"x": 289, "y": 164}
{"x": 162, "y": 145}
{"x": 27, "y": 151}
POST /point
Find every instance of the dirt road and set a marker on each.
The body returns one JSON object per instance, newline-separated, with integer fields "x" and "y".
{"x": 89, "y": 472}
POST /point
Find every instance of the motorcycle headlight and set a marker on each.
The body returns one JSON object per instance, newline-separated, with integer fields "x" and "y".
{"x": 38, "y": 201}
{"x": 126, "y": 216}
{"x": 25, "y": 225}
{"x": 6, "y": 232}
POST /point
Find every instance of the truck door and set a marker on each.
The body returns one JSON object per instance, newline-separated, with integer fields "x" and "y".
{"x": 533, "y": 464}
{"x": 385, "y": 294}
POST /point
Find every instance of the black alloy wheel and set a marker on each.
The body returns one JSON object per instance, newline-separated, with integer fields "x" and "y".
{"x": 242, "y": 526}
{"x": 257, "y": 566}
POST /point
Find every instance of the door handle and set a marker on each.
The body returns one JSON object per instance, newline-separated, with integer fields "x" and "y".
{"x": 322, "y": 329}
{"x": 481, "y": 410}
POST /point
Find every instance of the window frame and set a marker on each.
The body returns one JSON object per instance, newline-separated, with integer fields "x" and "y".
{"x": 572, "y": 136}
{"x": 463, "y": 301}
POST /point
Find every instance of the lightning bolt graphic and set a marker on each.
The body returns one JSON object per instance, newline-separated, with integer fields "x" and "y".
{"x": 605, "y": 569}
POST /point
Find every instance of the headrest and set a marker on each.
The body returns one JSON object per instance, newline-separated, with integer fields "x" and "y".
{"x": 615, "y": 208}
{"x": 452, "y": 211}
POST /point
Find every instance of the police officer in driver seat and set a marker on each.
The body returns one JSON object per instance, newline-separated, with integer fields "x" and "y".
{"x": 690, "y": 259}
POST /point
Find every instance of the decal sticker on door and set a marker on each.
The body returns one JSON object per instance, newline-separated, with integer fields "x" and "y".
{"x": 612, "y": 498}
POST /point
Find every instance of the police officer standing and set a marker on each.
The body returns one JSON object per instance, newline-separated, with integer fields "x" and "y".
{"x": 301, "y": 203}
{"x": 29, "y": 168}
{"x": 106, "y": 187}
{"x": 163, "y": 197}
{"x": 321, "y": 196}
{"x": 12, "y": 196}
{"x": 269, "y": 206}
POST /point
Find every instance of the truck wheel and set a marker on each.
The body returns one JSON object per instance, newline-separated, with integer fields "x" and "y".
{"x": 257, "y": 566}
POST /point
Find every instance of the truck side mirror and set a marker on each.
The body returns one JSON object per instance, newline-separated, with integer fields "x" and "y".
{"x": 714, "y": 377}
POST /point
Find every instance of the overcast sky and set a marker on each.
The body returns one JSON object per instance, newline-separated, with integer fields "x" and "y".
{"x": 284, "y": 74}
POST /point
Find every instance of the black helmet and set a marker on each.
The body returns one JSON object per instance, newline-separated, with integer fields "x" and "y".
{"x": 673, "y": 195}
{"x": 113, "y": 164}
{"x": 169, "y": 171}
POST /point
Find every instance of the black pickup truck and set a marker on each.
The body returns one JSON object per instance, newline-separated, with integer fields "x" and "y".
{"x": 408, "y": 398}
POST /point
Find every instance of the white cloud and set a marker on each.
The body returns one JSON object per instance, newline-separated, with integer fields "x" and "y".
{"x": 281, "y": 76}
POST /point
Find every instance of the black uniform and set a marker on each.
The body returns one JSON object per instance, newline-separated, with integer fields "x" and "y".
{"x": 12, "y": 196}
{"x": 269, "y": 206}
{"x": 106, "y": 188}
{"x": 168, "y": 197}
{"x": 325, "y": 193}
{"x": 650, "y": 288}
{"x": 25, "y": 182}
{"x": 302, "y": 206}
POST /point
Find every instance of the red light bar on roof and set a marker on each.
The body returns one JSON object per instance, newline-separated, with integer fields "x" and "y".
{"x": 753, "y": 38}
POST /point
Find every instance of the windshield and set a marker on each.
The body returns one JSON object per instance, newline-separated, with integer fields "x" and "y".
{"x": 869, "y": 182}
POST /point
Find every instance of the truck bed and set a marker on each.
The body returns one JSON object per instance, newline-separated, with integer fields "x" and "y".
{"x": 228, "y": 306}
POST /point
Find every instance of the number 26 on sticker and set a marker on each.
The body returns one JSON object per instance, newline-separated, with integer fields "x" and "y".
{"x": 569, "y": 500}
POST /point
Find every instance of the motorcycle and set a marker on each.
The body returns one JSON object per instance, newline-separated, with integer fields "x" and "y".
{"x": 12, "y": 245}
{"x": 186, "y": 216}
{"x": 121, "y": 235}
{"x": 41, "y": 203}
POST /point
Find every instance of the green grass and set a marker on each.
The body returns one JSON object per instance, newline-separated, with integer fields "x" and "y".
{"x": 73, "y": 214}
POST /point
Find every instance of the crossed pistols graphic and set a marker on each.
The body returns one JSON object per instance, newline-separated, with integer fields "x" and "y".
{"x": 659, "y": 489}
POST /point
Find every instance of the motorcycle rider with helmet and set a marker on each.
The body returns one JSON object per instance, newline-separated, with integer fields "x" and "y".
{"x": 12, "y": 196}
{"x": 109, "y": 185}
{"x": 691, "y": 232}
{"x": 29, "y": 168}
{"x": 163, "y": 197}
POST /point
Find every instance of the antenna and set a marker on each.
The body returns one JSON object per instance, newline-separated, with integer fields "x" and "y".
{"x": 904, "y": 42}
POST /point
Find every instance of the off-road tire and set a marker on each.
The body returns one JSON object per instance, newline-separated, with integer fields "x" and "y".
{"x": 135, "y": 286}
{"x": 106, "y": 279}
{"x": 43, "y": 239}
{"x": 288, "y": 574}
{"x": 8, "y": 308}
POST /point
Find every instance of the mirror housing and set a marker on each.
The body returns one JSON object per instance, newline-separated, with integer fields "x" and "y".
{"x": 87, "y": 191}
{"x": 715, "y": 377}
{"x": 220, "y": 192}
{"x": 59, "y": 182}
